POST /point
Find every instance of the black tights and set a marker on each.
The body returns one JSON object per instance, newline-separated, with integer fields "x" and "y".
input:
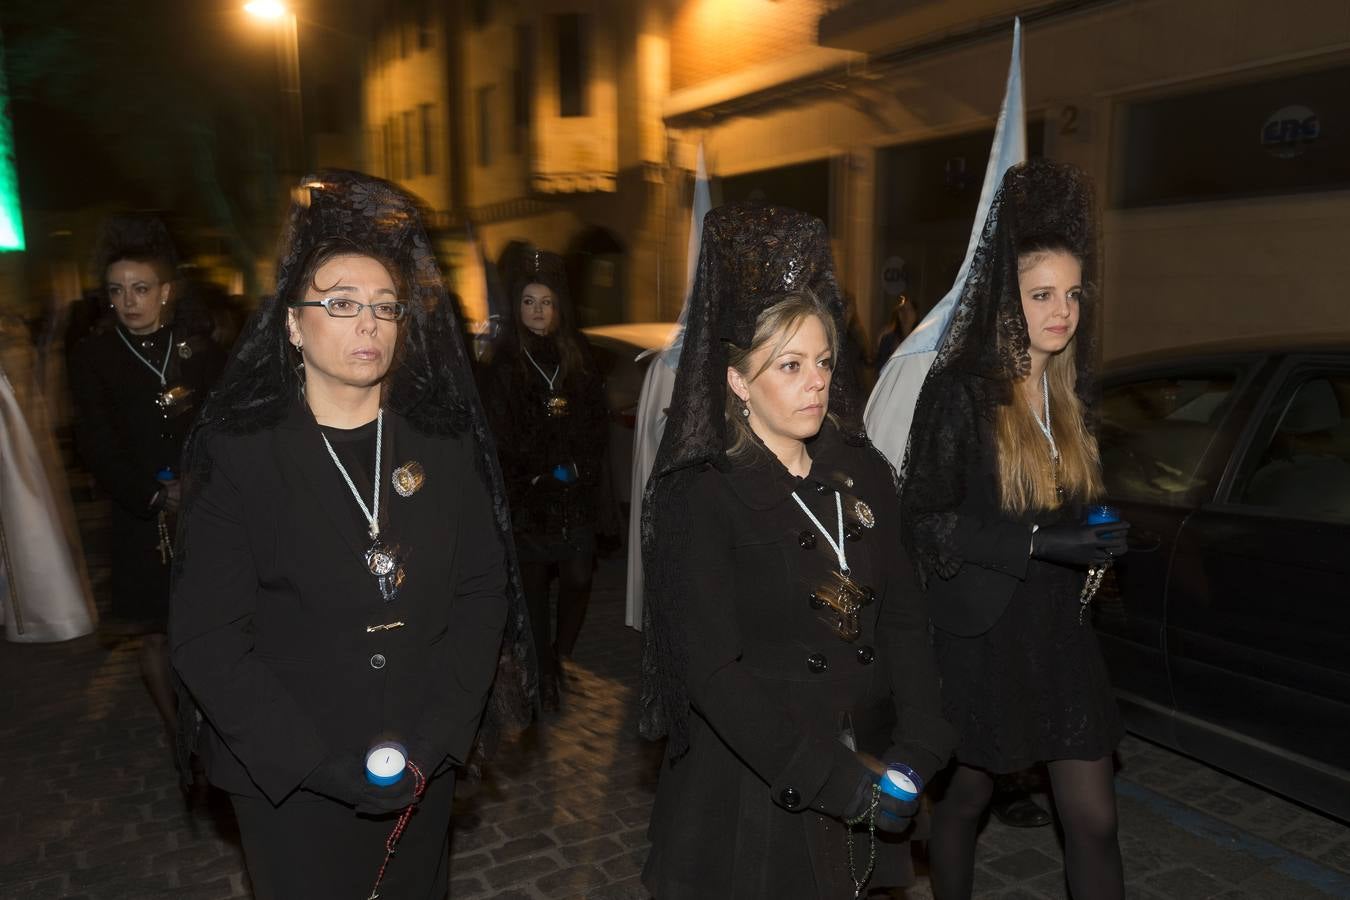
{"x": 574, "y": 593}
{"x": 1085, "y": 803}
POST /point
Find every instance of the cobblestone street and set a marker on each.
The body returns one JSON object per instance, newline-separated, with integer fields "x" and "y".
{"x": 92, "y": 808}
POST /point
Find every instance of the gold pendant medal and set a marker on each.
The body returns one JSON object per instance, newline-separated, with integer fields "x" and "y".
{"x": 556, "y": 404}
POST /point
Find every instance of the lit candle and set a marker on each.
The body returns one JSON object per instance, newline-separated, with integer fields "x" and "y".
{"x": 385, "y": 763}
{"x": 901, "y": 782}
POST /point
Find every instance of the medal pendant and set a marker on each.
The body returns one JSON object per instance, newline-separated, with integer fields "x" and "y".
{"x": 184, "y": 350}
{"x": 556, "y": 404}
{"x": 380, "y": 560}
{"x": 408, "y": 478}
{"x": 841, "y": 601}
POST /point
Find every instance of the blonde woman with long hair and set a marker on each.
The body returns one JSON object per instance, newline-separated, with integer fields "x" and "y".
{"x": 1001, "y": 467}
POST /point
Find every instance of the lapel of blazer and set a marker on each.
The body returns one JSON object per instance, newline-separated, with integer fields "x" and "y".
{"x": 302, "y": 447}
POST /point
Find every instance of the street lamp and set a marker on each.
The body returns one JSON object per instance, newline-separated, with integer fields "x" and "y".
{"x": 288, "y": 62}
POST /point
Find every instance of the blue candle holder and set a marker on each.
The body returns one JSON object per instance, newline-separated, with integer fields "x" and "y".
{"x": 901, "y": 782}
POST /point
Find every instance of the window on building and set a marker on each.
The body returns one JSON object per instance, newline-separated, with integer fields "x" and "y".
{"x": 409, "y": 144}
{"x": 426, "y": 29}
{"x": 522, "y": 89}
{"x": 424, "y": 113}
{"x": 573, "y": 49}
{"x": 484, "y": 96}
{"x": 482, "y": 12}
{"x": 1274, "y": 136}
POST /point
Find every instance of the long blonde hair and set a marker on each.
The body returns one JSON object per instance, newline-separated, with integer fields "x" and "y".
{"x": 1026, "y": 474}
{"x": 776, "y": 324}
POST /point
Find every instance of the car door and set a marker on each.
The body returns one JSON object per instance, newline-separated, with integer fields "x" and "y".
{"x": 1165, "y": 435}
{"x": 1258, "y": 610}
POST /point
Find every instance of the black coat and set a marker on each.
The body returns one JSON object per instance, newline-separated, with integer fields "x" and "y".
{"x": 769, "y": 681}
{"x": 125, "y": 437}
{"x": 530, "y": 442}
{"x": 273, "y": 602}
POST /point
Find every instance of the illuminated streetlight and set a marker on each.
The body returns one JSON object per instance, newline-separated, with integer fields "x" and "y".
{"x": 265, "y": 9}
{"x": 288, "y": 62}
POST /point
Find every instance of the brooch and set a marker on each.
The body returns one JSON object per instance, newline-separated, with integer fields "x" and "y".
{"x": 863, "y": 513}
{"x": 408, "y": 478}
{"x": 184, "y": 350}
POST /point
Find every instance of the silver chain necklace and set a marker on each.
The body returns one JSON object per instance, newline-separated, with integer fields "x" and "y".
{"x": 836, "y": 546}
{"x": 1045, "y": 423}
{"x": 372, "y": 513}
{"x": 381, "y": 559}
{"x": 168, "y": 351}
{"x": 547, "y": 378}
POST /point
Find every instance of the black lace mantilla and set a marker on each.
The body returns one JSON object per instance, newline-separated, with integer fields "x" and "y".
{"x": 431, "y": 385}
{"x": 751, "y": 254}
{"x": 986, "y": 350}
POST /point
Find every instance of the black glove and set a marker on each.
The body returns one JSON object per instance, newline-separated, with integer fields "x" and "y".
{"x": 1079, "y": 545}
{"x": 341, "y": 777}
{"x": 861, "y": 774}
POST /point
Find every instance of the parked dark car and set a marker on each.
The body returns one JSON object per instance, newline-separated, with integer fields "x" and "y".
{"x": 1227, "y": 629}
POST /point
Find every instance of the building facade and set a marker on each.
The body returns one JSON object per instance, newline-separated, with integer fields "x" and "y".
{"x": 1218, "y": 133}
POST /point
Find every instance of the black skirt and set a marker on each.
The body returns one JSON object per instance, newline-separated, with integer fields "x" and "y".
{"x": 309, "y": 848}
{"x": 1034, "y": 687}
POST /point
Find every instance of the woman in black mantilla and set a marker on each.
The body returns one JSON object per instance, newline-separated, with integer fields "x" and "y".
{"x": 346, "y": 568}
{"x": 787, "y": 653}
{"x": 137, "y": 385}
{"x": 1001, "y": 463}
{"x": 546, "y": 401}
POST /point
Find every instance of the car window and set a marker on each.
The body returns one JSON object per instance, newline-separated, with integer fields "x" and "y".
{"x": 1302, "y": 467}
{"x": 1155, "y": 432}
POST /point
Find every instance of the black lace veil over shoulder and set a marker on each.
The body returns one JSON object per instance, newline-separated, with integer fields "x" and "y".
{"x": 986, "y": 352}
{"x": 431, "y": 383}
{"x": 750, "y": 256}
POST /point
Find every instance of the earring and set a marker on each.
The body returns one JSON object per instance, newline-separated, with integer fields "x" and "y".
{"x": 745, "y": 409}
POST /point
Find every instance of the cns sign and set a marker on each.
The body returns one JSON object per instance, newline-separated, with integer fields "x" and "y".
{"x": 1289, "y": 131}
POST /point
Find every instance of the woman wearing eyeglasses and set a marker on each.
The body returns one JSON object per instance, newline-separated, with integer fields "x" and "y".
{"x": 547, "y": 404}
{"x": 339, "y": 604}
{"x": 137, "y": 384}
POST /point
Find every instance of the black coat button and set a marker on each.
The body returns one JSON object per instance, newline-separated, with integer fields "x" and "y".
{"x": 866, "y": 655}
{"x": 816, "y": 602}
{"x": 377, "y": 661}
{"x": 821, "y": 487}
{"x": 807, "y": 540}
{"x": 817, "y": 663}
{"x": 852, "y": 533}
{"x": 791, "y": 799}
{"x": 869, "y": 596}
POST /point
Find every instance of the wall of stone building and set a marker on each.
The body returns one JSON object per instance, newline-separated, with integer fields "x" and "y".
{"x": 402, "y": 77}
{"x": 1173, "y": 274}
{"x": 714, "y": 38}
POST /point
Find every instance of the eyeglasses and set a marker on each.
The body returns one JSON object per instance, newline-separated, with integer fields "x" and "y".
{"x": 342, "y": 308}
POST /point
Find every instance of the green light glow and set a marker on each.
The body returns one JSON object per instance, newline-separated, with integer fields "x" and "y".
{"x": 11, "y": 218}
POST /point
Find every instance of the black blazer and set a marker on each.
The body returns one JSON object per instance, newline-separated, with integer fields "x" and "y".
{"x": 994, "y": 548}
{"x": 273, "y": 601}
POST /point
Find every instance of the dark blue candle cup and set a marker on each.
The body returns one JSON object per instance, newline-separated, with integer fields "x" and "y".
{"x": 1102, "y": 514}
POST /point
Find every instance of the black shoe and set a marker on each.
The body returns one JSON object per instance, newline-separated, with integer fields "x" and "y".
{"x": 1016, "y": 808}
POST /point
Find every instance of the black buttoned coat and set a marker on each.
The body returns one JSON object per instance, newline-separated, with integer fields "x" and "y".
{"x": 772, "y": 684}
{"x": 125, "y": 438}
{"x": 273, "y": 606}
